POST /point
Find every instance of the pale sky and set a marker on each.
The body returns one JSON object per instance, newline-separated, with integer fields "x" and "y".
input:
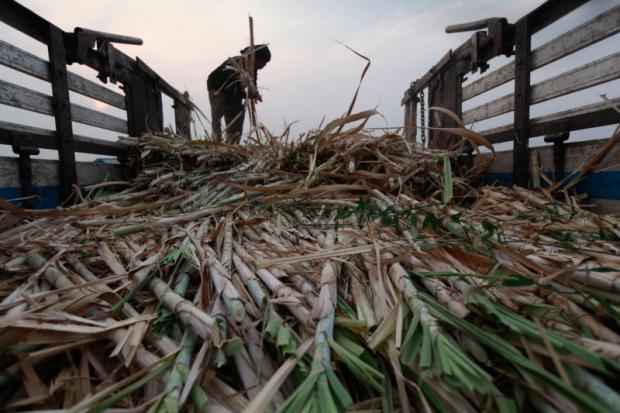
{"x": 311, "y": 75}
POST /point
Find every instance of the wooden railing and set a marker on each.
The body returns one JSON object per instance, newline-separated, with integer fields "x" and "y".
{"x": 444, "y": 82}
{"x": 142, "y": 98}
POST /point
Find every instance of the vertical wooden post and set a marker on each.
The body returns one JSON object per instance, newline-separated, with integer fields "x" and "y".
{"x": 62, "y": 111}
{"x": 411, "y": 113}
{"x": 182, "y": 118}
{"x": 446, "y": 91}
{"x": 520, "y": 168}
{"x": 144, "y": 106}
{"x": 24, "y": 168}
{"x": 559, "y": 153}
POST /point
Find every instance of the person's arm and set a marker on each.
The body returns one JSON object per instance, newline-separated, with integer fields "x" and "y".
{"x": 256, "y": 95}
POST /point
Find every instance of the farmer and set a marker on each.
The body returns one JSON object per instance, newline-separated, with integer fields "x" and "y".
{"x": 227, "y": 91}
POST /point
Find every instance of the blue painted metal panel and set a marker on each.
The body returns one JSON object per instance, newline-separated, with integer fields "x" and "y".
{"x": 49, "y": 196}
{"x": 604, "y": 185}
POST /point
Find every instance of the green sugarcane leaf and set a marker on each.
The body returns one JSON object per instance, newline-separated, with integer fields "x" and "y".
{"x": 611, "y": 311}
{"x": 346, "y": 308}
{"x": 233, "y": 346}
{"x": 362, "y": 370}
{"x": 387, "y": 400}
{"x": 447, "y": 180}
{"x": 433, "y": 398}
{"x": 508, "y": 352}
{"x": 426, "y": 351}
{"x": 326, "y": 400}
{"x": 300, "y": 396}
{"x": 286, "y": 342}
{"x": 604, "y": 269}
{"x": 428, "y": 246}
{"x": 505, "y": 405}
{"x": 344, "y": 340}
{"x": 151, "y": 275}
{"x": 455, "y": 230}
{"x": 341, "y": 393}
{"x": 357, "y": 326}
{"x": 412, "y": 341}
{"x": 431, "y": 220}
{"x": 515, "y": 280}
{"x": 274, "y": 324}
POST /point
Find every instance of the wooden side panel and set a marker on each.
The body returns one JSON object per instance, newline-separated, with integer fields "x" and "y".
{"x": 24, "y": 98}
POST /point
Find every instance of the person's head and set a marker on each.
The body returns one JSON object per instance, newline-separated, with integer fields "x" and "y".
{"x": 262, "y": 55}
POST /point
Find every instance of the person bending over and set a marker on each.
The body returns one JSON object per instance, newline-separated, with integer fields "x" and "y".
{"x": 227, "y": 91}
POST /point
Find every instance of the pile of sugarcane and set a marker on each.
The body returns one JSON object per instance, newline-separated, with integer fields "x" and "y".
{"x": 341, "y": 271}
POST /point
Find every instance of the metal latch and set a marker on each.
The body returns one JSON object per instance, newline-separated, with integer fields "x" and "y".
{"x": 496, "y": 34}
{"x": 86, "y": 39}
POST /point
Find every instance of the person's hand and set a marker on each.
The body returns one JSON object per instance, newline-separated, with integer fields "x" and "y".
{"x": 258, "y": 97}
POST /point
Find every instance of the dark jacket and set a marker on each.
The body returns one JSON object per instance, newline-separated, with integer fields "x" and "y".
{"x": 226, "y": 81}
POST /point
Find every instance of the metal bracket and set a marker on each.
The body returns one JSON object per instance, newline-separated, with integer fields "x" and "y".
{"x": 478, "y": 39}
{"x": 86, "y": 39}
{"x": 107, "y": 72}
{"x": 497, "y": 28}
{"x": 475, "y": 25}
{"x": 24, "y": 169}
{"x": 559, "y": 153}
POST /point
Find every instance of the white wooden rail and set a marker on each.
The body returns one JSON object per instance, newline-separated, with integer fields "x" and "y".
{"x": 591, "y": 74}
{"x": 24, "y": 98}
{"x": 595, "y": 30}
{"x": 21, "y": 60}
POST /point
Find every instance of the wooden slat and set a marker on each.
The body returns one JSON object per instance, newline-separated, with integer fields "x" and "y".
{"x": 588, "y": 116}
{"x": 522, "y": 101}
{"x": 551, "y": 11}
{"x": 595, "y": 30}
{"x": 594, "y": 73}
{"x": 422, "y": 82}
{"x": 23, "y": 98}
{"x": 62, "y": 111}
{"x": 22, "y": 61}
{"x": 46, "y": 139}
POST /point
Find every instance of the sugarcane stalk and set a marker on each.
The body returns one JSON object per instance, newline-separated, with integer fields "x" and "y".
{"x": 224, "y": 286}
{"x": 198, "y": 320}
{"x": 291, "y": 297}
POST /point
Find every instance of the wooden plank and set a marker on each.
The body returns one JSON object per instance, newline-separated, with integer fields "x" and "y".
{"x": 593, "y": 31}
{"x": 411, "y": 120}
{"x": 549, "y": 12}
{"x": 493, "y": 79}
{"x": 588, "y": 116}
{"x": 594, "y": 73}
{"x": 62, "y": 110}
{"x": 445, "y": 93}
{"x": 13, "y": 133}
{"x": 183, "y": 118}
{"x": 487, "y": 110}
{"x": 25, "y": 20}
{"x": 45, "y": 173}
{"x": 423, "y": 81}
{"x": 144, "y": 105}
{"x": 520, "y": 169}
{"x": 23, "y": 98}
{"x": 576, "y": 153}
{"x": 22, "y": 61}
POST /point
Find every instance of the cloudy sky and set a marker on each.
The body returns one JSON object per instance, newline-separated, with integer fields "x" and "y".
{"x": 311, "y": 75}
